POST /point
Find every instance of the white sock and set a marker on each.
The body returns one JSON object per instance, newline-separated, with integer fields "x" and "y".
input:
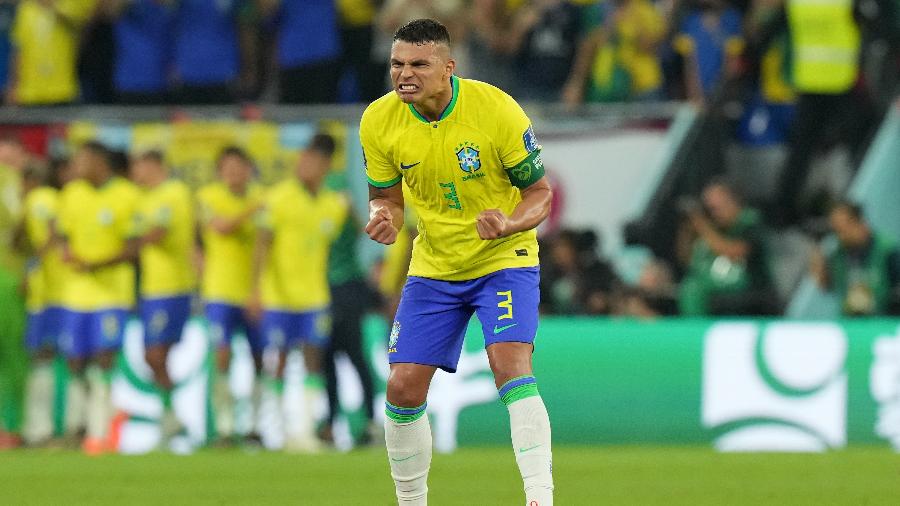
{"x": 530, "y": 428}
{"x": 256, "y": 396}
{"x": 409, "y": 454}
{"x": 223, "y": 406}
{"x": 99, "y": 403}
{"x": 39, "y": 392}
{"x": 76, "y": 397}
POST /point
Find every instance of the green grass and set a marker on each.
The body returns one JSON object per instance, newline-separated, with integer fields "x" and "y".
{"x": 482, "y": 476}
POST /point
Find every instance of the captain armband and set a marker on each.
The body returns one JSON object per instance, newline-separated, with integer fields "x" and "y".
{"x": 527, "y": 172}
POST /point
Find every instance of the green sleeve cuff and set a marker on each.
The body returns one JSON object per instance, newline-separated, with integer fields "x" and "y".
{"x": 528, "y": 171}
{"x": 384, "y": 184}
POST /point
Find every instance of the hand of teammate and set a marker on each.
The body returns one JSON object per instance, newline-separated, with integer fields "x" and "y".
{"x": 492, "y": 224}
{"x": 253, "y": 311}
{"x": 381, "y": 226}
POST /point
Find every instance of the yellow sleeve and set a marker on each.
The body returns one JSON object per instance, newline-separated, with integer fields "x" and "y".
{"x": 76, "y": 11}
{"x": 515, "y": 138}
{"x": 379, "y": 170}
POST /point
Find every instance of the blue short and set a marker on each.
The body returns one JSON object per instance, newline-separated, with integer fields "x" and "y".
{"x": 164, "y": 319}
{"x": 44, "y": 328}
{"x": 226, "y": 320}
{"x": 433, "y": 315}
{"x": 287, "y": 329}
{"x": 85, "y": 334}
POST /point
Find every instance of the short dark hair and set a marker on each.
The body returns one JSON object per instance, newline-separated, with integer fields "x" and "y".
{"x": 322, "y": 143}
{"x": 119, "y": 161}
{"x": 102, "y": 152}
{"x": 234, "y": 151}
{"x": 420, "y": 31}
{"x": 852, "y": 208}
{"x": 153, "y": 155}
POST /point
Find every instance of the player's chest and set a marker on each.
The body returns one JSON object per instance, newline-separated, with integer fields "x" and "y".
{"x": 445, "y": 152}
{"x": 102, "y": 213}
{"x": 307, "y": 217}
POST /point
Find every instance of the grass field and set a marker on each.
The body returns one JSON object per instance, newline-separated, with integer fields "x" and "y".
{"x": 484, "y": 476}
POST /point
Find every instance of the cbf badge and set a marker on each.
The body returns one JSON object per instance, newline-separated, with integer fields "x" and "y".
{"x": 468, "y": 157}
{"x": 395, "y": 335}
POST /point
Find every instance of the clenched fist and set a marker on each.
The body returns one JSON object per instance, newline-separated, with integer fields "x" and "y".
{"x": 492, "y": 224}
{"x": 381, "y": 226}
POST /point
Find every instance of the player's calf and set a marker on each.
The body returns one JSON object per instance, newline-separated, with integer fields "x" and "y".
{"x": 530, "y": 430}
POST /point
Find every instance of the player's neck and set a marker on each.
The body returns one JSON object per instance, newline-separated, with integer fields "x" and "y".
{"x": 101, "y": 181}
{"x": 434, "y": 106}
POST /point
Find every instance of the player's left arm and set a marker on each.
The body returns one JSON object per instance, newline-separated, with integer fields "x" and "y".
{"x": 528, "y": 214}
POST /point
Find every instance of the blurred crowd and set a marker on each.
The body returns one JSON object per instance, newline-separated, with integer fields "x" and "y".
{"x": 327, "y": 51}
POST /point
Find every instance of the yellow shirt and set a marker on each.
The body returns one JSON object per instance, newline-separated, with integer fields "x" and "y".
{"x": 166, "y": 267}
{"x": 47, "y": 279}
{"x": 355, "y": 13}
{"x": 47, "y": 46}
{"x": 456, "y": 168}
{"x": 640, "y": 19}
{"x": 97, "y": 223}
{"x": 303, "y": 226}
{"x": 228, "y": 264}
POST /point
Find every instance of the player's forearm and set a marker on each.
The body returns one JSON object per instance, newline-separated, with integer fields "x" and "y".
{"x": 128, "y": 254}
{"x": 155, "y": 236}
{"x": 533, "y": 209}
{"x": 260, "y": 255}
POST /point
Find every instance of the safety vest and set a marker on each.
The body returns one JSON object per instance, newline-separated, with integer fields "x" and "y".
{"x": 825, "y": 41}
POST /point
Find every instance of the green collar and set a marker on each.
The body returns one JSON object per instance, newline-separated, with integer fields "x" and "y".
{"x": 454, "y": 85}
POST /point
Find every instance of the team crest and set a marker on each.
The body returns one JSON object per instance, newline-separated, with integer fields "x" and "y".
{"x": 467, "y": 154}
{"x": 395, "y": 336}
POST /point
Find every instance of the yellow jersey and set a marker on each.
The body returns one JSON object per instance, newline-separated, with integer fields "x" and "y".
{"x": 97, "y": 223}
{"x": 166, "y": 266}
{"x": 475, "y": 157}
{"x": 228, "y": 258}
{"x": 303, "y": 227}
{"x": 46, "y": 279}
{"x": 47, "y": 47}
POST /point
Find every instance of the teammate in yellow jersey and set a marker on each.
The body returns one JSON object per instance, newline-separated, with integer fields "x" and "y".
{"x": 468, "y": 155}
{"x": 300, "y": 220}
{"x": 166, "y": 225}
{"x": 227, "y": 210}
{"x": 46, "y": 278}
{"x": 97, "y": 221}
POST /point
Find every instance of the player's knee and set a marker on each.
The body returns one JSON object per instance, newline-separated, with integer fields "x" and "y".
{"x": 405, "y": 390}
{"x": 155, "y": 357}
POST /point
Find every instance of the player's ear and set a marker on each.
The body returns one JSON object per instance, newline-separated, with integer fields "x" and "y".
{"x": 449, "y": 68}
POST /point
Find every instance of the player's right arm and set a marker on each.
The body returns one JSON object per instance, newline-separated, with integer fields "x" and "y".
{"x": 262, "y": 246}
{"x": 385, "y": 188}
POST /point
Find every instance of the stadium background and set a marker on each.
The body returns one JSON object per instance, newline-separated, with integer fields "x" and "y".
{"x": 800, "y": 378}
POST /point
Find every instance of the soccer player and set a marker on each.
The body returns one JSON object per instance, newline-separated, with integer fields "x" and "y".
{"x": 227, "y": 208}
{"x": 469, "y": 156}
{"x": 97, "y": 220}
{"x": 166, "y": 225}
{"x": 298, "y": 224}
{"x": 46, "y": 279}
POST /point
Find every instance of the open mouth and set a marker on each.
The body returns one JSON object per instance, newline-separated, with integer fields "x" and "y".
{"x": 407, "y": 88}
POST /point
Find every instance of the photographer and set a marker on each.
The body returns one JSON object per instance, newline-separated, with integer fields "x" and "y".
{"x": 721, "y": 245}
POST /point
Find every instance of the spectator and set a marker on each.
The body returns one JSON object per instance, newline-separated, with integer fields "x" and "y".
{"x": 862, "y": 266}
{"x": 542, "y": 41}
{"x": 825, "y": 50}
{"x": 617, "y": 60}
{"x": 143, "y": 30}
{"x": 207, "y": 56}
{"x": 96, "y": 59}
{"x": 724, "y": 250}
{"x": 488, "y": 62}
{"x": 652, "y": 296}
{"x": 357, "y": 22}
{"x": 308, "y": 49}
{"x": 710, "y": 42}
{"x": 45, "y": 39}
{"x": 576, "y": 280}
{"x": 7, "y": 16}
{"x": 451, "y": 13}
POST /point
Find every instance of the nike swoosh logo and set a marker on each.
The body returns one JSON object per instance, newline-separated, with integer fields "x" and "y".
{"x": 405, "y": 458}
{"x": 498, "y": 330}
{"x": 403, "y": 166}
{"x": 523, "y": 450}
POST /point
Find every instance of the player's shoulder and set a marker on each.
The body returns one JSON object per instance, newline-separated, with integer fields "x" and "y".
{"x": 383, "y": 113}
{"x": 75, "y": 189}
{"x": 41, "y": 196}
{"x": 476, "y": 91}
{"x": 178, "y": 189}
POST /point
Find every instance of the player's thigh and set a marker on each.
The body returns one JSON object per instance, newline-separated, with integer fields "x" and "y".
{"x": 164, "y": 319}
{"x": 430, "y": 324}
{"x": 223, "y": 321}
{"x": 311, "y": 328}
{"x": 279, "y": 329}
{"x": 107, "y": 330}
{"x": 507, "y": 305}
{"x": 75, "y": 340}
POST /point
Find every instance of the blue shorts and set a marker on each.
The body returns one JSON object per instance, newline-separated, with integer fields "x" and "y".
{"x": 164, "y": 319}
{"x": 433, "y": 315}
{"x": 44, "y": 328}
{"x": 85, "y": 334}
{"x": 286, "y": 329}
{"x": 226, "y": 320}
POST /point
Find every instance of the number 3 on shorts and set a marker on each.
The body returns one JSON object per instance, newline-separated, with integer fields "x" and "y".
{"x": 505, "y": 304}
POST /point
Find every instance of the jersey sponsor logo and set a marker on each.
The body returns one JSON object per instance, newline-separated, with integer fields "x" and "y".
{"x": 467, "y": 154}
{"x": 404, "y": 166}
{"x": 529, "y": 139}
